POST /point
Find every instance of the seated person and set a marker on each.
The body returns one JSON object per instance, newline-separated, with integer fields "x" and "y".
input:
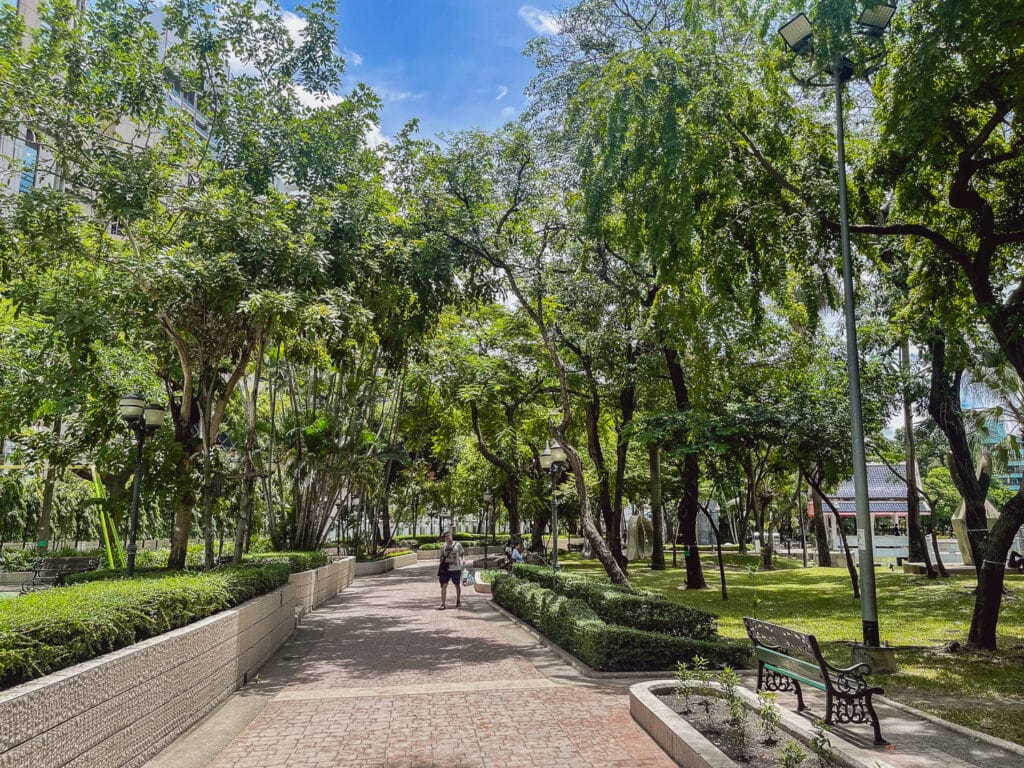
{"x": 517, "y": 556}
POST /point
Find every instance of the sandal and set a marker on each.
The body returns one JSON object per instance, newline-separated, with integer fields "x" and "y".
{"x": 440, "y": 608}
{"x": 458, "y": 605}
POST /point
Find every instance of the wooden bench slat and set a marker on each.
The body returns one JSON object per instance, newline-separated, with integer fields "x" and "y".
{"x": 800, "y": 678}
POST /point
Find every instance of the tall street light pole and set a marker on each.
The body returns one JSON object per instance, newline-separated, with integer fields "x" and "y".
{"x": 488, "y": 498}
{"x": 553, "y": 458}
{"x": 797, "y": 33}
{"x": 144, "y": 420}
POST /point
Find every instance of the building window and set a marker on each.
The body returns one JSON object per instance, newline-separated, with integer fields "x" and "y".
{"x": 30, "y": 159}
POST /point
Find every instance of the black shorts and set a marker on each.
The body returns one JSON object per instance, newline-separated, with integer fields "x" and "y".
{"x": 455, "y": 576}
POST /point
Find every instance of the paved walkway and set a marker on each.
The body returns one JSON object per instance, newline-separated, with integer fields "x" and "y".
{"x": 378, "y": 677}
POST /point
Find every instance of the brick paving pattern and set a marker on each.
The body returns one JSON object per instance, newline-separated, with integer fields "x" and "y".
{"x": 377, "y": 677}
{"x": 394, "y": 682}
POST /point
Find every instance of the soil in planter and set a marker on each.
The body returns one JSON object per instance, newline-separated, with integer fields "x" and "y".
{"x": 712, "y": 724}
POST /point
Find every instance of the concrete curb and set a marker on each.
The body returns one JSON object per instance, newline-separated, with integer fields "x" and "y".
{"x": 963, "y": 730}
{"x": 691, "y": 749}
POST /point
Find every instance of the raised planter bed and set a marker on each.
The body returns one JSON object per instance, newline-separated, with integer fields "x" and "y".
{"x": 14, "y": 579}
{"x": 121, "y": 709}
{"x": 375, "y": 567}
{"x": 480, "y": 586}
{"x": 313, "y": 588}
{"x": 689, "y": 748}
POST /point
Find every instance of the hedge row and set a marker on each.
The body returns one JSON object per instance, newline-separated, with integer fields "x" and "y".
{"x": 397, "y": 553}
{"x": 625, "y": 606}
{"x": 296, "y": 562}
{"x": 49, "y": 630}
{"x": 576, "y": 627}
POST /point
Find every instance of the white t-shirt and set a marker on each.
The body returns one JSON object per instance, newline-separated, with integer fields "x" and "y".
{"x": 453, "y": 553}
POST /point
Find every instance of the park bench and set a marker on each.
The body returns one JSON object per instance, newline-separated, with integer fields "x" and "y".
{"x": 50, "y": 571}
{"x": 786, "y": 659}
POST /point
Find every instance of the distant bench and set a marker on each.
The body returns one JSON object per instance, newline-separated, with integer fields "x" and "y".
{"x": 50, "y": 571}
{"x": 786, "y": 658}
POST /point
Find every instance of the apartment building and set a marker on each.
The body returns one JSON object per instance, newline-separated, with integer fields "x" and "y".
{"x": 25, "y": 163}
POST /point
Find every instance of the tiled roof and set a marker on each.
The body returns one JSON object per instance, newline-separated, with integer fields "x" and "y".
{"x": 886, "y": 491}
{"x": 879, "y": 507}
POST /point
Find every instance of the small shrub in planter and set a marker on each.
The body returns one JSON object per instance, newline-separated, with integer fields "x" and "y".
{"x": 396, "y": 553}
{"x": 792, "y": 755}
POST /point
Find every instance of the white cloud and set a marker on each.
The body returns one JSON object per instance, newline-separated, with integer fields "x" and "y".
{"x": 294, "y": 24}
{"x": 541, "y": 22}
{"x": 508, "y": 112}
{"x": 502, "y": 92}
{"x": 375, "y": 137}
{"x": 316, "y": 100}
{"x": 389, "y": 95}
{"x": 351, "y": 57}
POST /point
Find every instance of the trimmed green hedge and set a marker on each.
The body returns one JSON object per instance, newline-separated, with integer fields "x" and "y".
{"x": 45, "y": 631}
{"x": 295, "y": 561}
{"x": 576, "y": 627}
{"x": 617, "y": 604}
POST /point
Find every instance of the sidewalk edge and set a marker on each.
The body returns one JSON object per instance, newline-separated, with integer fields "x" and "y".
{"x": 963, "y": 730}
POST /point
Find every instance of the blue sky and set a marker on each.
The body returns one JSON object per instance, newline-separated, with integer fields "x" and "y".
{"x": 455, "y": 64}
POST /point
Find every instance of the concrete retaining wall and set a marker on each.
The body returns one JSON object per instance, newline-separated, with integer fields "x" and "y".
{"x": 313, "y": 588}
{"x": 375, "y": 567}
{"x": 15, "y": 578}
{"x": 121, "y": 709}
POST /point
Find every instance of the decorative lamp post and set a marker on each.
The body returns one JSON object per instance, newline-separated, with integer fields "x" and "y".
{"x": 488, "y": 498}
{"x": 553, "y": 459}
{"x": 144, "y": 420}
{"x": 798, "y": 35}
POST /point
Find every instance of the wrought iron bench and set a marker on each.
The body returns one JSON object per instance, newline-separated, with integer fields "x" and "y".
{"x": 786, "y": 659}
{"x": 50, "y": 571}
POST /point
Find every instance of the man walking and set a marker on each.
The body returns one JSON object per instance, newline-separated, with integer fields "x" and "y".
{"x": 450, "y": 569}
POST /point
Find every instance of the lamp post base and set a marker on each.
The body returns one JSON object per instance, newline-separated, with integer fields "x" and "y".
{"x": 880, "y": 659}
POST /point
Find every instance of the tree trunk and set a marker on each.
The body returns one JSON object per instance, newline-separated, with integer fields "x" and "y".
{"x": 989, "y": 548}
{"x": 917, "y": 549}
{"x": 850, "y": 567}
{"x": 247, "y": 494}
{"x": 46, "y": 509}
{"x": 742, "y": 519}
{"x": 657, "y": 512}
{"x": 510, "y": 496}
{"x": 820, "y": 529}
{"x": 627, "y": 408}
{"x": 689, "y": 505}
{"x": 604, "y": 494}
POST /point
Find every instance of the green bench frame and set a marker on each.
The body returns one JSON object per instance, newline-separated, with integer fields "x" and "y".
{"x": 787, "y": 658}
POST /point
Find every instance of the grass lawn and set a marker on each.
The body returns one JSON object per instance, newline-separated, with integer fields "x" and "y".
{"x": 919, "y": 617}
